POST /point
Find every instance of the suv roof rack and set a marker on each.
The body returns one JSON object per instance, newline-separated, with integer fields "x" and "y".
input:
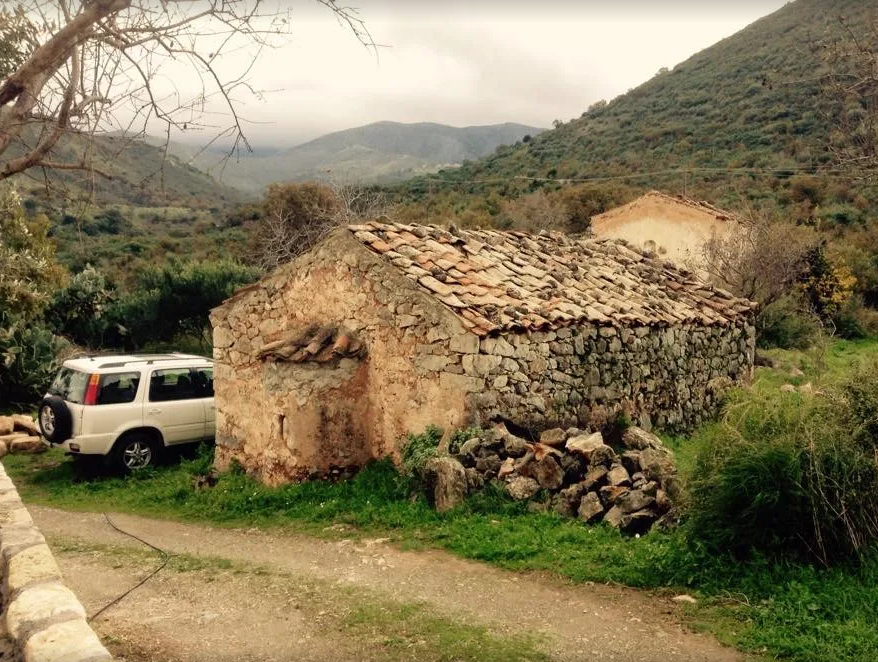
{"x": 149, "y": 359}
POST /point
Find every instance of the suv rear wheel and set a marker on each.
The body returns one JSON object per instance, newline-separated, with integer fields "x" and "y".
{"x": 55, "y": 420}
{"x": 134, "y": 452}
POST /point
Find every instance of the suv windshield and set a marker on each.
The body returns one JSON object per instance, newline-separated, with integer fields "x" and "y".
{"x": 70, "y": 385}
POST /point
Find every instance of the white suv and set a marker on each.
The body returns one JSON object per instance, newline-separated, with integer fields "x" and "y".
{"x": 128, "y": 408}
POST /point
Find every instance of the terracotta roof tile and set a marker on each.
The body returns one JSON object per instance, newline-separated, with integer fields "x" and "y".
{"x": 497, "y": 281}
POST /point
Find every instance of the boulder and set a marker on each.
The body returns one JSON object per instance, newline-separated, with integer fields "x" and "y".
{"x": 522, "y": 464}
{"x": 656, "y": 465}
{"x": 631, "y": 461}
{"x": 637, "y": 523}
{"x": 489, "y": 463}
{"x": 590, "y": 507}
{"x": 618, "y": 476}
{"x": 474, "y": 480}
{"x": 613, "y": 517}
{"x": 548, "y": 473}
{"x": 638, "y": 439}
{"x": 554, "y": 437}
{"x": 26, "y": 424}
{"x": 3, "y": 449}
{"x": 611, "y": 493}
{"x": 585, "y": 444}
{"x": 515, "y": 446}
{"x": 635, "y": 500}
{"x": 449, "y": 482}
{"x": 26, "y": 445}
{"x": 568, "y": 500}
{"x": 574, "y": 467}
{"x": 594, "y": 477}
{"x": 522, "y": 488}
{"x": 651, "y": 488}
{"x": 603, "y": 456}
{"x": 7, "y": 425}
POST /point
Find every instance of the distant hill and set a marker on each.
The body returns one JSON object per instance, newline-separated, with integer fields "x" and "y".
{"x": 140, "y": 174}
{"x": 376, "y": 153}
{"x": 750, "y": 103}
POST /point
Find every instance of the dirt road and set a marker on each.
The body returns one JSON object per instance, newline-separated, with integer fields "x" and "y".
{"x": 251, "y": 595}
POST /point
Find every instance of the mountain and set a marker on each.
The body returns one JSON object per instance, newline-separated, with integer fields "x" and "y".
{"x": 731, "y": 118}
{"x": 375, "y": 153}
{"x": 134, "y": 172}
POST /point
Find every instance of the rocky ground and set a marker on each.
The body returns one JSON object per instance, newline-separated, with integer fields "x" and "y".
{"x": 252, "y": 595}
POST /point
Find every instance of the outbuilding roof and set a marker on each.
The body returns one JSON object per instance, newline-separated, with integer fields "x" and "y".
{"x": 498, "y": 281}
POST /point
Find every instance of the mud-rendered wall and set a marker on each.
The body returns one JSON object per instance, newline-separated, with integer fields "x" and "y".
{"x": 284, "y": 421}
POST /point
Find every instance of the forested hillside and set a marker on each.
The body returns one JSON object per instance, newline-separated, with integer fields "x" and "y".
{"x": 742, "y": 116}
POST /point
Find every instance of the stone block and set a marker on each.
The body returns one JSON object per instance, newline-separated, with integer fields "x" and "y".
{"x": 464, "y": 343}
{"x": 70, "y": 641}
{"x": 464, "y": 383}
{"x": 498, "y": 346}
{"x": 28, "y": 446}
{"x": 34, "y": 564}
{"x": 590, "y": 508}
{"x": 7, "y": 425}
{"x": 41, "y": 603}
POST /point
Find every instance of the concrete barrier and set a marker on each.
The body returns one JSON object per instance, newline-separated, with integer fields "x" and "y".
{"x": 43, "y": 618}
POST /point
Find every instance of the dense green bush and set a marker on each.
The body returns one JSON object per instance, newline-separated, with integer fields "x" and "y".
{"x": 786, "y": 324}
{"x": 785, "y": 473}
{"x": 29, "y": 358}
{"x": 419, "y": 450}
{"x": 79, "y": 310}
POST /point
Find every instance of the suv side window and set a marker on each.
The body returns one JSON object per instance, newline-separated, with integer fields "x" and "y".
{"x": 173, "y": 384}
{"x": 204, "y": 382}
{"x": 118, "y": 389}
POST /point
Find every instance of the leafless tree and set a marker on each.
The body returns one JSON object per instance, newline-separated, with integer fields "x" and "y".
{"x": 296, "y": 216}
{"x": 760, "y": 261}
{"x": 87, "y": 67}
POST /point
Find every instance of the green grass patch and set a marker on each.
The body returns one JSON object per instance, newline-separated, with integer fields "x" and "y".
{"x": 784, "y": 608}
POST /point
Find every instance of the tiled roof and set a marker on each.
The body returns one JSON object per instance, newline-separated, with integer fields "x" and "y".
{"x": 700, "y": 205}
{"x": 313, "y": 343}
{"x": 512, "y": 281}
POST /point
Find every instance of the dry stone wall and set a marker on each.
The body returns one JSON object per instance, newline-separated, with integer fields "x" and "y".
{"x": 669, "y": 377}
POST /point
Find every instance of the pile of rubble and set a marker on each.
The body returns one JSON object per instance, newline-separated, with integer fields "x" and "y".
{"x": 630, "y": 489}
{"x": 20, "y": 434}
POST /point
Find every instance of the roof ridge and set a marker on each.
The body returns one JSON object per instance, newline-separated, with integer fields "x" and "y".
{"x": 496, "y": 280}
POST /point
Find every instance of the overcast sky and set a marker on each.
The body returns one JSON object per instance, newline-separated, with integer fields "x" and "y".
{"x": 476, "y": 62}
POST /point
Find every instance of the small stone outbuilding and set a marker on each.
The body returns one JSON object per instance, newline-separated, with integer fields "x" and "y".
{"x": 675, "y": 227}
{"x": 383, "y": 329}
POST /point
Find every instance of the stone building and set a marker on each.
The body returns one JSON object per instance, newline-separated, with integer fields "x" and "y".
{"x": 675, "y": 227}
{"x": 383, "y": 329}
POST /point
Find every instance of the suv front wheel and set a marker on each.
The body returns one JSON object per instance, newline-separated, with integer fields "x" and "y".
{"x": 134, "y": 452}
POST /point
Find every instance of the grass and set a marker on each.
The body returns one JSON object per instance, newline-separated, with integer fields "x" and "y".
{"x": 780, "y": 607}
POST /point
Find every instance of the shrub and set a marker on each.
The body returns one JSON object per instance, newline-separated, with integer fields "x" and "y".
{"x": 786, "y": 324}
{"x": 419, "y": 450}
{"x": 782, "y": 474}
{"x": 29, "y": 358}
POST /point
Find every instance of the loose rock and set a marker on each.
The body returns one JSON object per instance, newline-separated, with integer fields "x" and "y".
{"x": 554, "y": 437}
{"x": 28, "y": 445}
{"x": 7, "y": 425}
{"x": 590, "y": 508}
{"x": 547, "y": 473}
{"x": 522, "y": 488}
{"x": 613, "y": 517}
{"x": 618, "y": 476}
{"x": 635, "y": 500}
{"x": 585, "y": 444}
{"x": 449, "y": 482}
{"x": 26, "y": 424}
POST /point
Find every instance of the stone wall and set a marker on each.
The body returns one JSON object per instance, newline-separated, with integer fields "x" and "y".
{"x": 43, "y": 618}
{"x": 290, "y": 419}
{"x": 668, "y": 377}
{"x": 285, "y": 421}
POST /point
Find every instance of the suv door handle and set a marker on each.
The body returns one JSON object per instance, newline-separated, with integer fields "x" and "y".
{"x": 153, "y": 411}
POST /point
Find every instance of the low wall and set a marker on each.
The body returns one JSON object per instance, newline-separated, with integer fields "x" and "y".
{"x": 43, "y": 618}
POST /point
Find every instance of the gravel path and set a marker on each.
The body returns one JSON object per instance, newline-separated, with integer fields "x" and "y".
{"x": 255, "y": 615}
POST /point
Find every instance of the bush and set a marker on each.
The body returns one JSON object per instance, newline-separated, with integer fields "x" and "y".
{"x": 786, "y": 324}
{"x": 29, "y": 359}
{"x": 419, "y": 450}
{"x": 782, "y": 474}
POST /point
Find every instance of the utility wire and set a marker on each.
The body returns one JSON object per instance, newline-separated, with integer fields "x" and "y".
{"x": 164, "y": 556}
